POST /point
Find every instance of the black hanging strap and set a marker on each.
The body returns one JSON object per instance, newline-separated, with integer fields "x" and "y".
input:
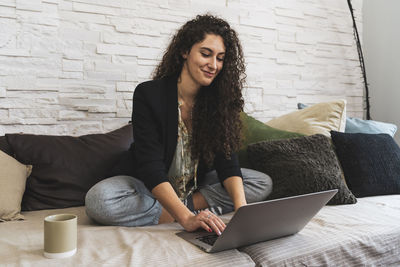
{"x": 361, "y": 58}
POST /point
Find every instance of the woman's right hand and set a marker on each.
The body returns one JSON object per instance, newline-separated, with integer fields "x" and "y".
{"x": 206, "y": 220}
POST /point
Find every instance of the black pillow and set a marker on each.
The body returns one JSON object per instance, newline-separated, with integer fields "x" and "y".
{"x": 300, "y": 166}
{"x": 66, "y": 167}
{"x": 4, "y": 146}
{"x": 370, "y": 162}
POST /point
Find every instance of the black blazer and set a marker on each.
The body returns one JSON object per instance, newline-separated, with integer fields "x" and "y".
{"x": 155, "y": 133}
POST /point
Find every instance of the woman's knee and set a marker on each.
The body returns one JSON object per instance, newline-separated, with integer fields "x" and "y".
{"x": 122, "y": 200}
{"x": 100, "y": 200}
{"x": 257, "y": 185}
{"x": 106, "y": 189}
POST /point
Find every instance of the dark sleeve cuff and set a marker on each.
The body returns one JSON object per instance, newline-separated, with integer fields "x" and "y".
{"x": 227, "y": 167}
{"x": 152, "y": 175}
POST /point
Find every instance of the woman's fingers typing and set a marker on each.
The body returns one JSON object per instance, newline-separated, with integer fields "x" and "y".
{"x": 206, "y": 220}
{"x": 212, "y": 222}
{"x": 220, "y": 224}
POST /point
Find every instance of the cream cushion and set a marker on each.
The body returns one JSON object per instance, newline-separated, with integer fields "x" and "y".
{"x": 320, "y": 118}
{"x": 13, "y": 177}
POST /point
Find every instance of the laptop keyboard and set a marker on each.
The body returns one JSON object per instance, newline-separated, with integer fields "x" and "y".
{"x": 208, "y": 239}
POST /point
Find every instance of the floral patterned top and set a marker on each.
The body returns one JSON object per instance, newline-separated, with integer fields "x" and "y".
{"x": 182, "y": 173}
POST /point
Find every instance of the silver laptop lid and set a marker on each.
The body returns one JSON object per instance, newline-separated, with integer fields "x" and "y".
{"x": 265, "y": 220}
{"x": 271, "y": 219}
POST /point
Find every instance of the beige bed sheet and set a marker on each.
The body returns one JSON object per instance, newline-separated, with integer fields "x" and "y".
{"x": 364, "y": 234}
{"x": 21, "y": 244}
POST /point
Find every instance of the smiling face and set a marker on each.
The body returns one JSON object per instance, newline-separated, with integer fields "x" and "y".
{"x": 204, "y": 61}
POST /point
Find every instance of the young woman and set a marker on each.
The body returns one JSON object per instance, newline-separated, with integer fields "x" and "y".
{"x": 186, "y": 130}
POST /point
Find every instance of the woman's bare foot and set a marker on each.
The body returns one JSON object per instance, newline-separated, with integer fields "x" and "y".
{"x": 199, "y": 202}
{"x": 165, "y": 217}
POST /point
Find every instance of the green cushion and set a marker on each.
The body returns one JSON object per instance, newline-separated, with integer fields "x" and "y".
{"x": 256, "y": 131}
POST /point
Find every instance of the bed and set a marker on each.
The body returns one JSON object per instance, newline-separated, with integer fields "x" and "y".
{"x": 363, "y": 234}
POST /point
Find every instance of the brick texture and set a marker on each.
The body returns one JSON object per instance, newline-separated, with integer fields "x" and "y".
{"x": 71, "y": 66}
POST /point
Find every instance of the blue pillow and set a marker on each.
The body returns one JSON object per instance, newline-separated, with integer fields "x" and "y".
{"x": 356, "y": 125}
{"x": 301, "y": 106}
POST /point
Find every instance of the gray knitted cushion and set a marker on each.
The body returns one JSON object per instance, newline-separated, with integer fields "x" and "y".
{"x": 300, "y": 166}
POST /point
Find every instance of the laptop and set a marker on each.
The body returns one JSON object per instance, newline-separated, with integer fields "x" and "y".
{"x": 262, "y": 221}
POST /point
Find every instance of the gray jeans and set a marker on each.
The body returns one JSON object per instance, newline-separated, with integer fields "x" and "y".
{"x": 125, "y": 201}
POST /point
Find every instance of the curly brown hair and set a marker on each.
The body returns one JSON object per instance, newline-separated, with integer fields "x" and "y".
{"x": 216, "y": 120}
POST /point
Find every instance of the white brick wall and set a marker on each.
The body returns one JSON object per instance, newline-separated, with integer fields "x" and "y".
{"x": 71, "y": 66}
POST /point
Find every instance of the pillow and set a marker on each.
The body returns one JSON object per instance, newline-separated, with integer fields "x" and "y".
{"x": 255, "y": 131}
{"x": 356, "y": 125}
{"x": 301, "y": 106}
{"x": 12, "y": 186}
{"x": 300, "y": 166}
{"x": 370, "y": 162}
{"x": 66, "y": 167}
{"x": 4, "y": 146}
{"x": 317, "y": 119}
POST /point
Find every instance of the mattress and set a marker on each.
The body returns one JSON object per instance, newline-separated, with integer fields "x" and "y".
{"x": 363, "y": 234}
